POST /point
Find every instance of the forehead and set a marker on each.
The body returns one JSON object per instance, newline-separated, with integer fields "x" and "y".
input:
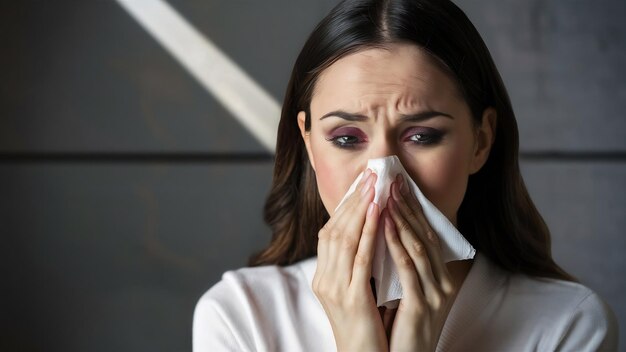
{"x": 400, "y": 74}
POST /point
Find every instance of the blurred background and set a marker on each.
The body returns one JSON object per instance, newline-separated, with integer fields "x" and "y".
{"x": 127, "y": 188}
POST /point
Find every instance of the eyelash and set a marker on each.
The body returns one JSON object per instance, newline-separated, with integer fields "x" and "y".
{"x": 340, "y": 142}
{"x": 427, "y": 139}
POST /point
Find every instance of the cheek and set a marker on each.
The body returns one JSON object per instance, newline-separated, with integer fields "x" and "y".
{"x": 334, "y": 176}
{"x": 442, "y": 177}
{"x": 328, "y": 189}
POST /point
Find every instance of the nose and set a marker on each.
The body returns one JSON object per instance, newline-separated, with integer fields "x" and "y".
{"x": 382, "y": 147}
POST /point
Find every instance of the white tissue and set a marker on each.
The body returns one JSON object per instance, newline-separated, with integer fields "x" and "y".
{"x": 454, "y": 246}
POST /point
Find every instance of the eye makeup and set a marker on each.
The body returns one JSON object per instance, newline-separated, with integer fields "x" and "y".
{"x": 423, "y": 135}
{"x": 352, "y": 137}
{"x": 347, "y": 137}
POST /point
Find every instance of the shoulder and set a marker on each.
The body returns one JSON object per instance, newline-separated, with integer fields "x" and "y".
{"x": 521, "y": 312}
{"x": 572, "y": 316}
{"x": 246, "y": 305}
{"x": 256, "y": 282}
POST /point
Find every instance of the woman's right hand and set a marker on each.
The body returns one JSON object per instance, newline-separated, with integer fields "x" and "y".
{"x": 345, "y": 253}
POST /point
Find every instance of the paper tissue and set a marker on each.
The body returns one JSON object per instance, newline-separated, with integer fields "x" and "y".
{"x": 454, "y": 245}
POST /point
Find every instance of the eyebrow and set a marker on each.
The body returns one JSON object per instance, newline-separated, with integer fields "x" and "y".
{"x": 417, "y": 117}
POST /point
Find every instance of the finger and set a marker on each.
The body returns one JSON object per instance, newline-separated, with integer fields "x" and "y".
{"x": 352, "y": 227}
{"x": 332, "y": 230}
{"x": 411, "y": 210}
{"x": 364, "y": 257}
{"x": 411, "y": 288}
{"x": 416, "y": 249}
{"x": 352, "y": 198}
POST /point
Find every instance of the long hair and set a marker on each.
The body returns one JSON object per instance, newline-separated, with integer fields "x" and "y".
{"x": 496, "y": 216}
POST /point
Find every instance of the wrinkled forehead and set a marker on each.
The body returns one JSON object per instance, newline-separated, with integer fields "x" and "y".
{"x": 398, "y": 73}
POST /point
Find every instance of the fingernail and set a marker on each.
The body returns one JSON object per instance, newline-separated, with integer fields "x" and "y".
{"x": 400, "y": 180}
{"x": 367, "y": 173}
{"x": 390, "y": 203}
{"x": 394, "y": 191}
{"x": 367, "y": 185}
{"x": 364, "y": 176}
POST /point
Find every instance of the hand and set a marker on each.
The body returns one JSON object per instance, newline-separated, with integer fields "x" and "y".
{"x": 428, "y": 292}
{"x": 344, "y": 267}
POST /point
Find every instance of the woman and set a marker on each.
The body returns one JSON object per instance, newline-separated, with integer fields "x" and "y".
{"x": 410, "y": 78}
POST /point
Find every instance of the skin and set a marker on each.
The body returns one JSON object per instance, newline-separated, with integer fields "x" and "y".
{"x": 440, "y": 147}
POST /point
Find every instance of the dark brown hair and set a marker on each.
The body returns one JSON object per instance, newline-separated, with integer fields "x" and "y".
{"x": 497, "y": 215}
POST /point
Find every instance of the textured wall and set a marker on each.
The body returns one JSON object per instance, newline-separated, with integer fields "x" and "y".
{"x": 126, "y": 189}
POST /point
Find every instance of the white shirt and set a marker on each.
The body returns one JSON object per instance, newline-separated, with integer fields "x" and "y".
{"x": 273, "y": 308}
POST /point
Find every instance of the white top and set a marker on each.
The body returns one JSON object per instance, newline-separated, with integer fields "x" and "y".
{"x": 273, "y": 308}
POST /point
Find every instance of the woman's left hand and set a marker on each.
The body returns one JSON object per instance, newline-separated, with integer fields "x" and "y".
{"x": 427, "y": 286}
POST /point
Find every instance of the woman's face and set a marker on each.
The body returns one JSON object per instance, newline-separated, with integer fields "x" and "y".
{"x": 394, "y": 101}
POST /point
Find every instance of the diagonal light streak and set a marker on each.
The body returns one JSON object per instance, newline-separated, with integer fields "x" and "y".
{"x": 245, "y": 99}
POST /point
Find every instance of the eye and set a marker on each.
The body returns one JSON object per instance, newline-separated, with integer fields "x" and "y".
{"x": 423, "y": 136}
{"x": 344, "y": 141}
{"x": 347, "y": 137}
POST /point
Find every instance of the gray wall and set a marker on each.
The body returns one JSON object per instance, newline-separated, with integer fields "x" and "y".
{"x": 126, "y": 189}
